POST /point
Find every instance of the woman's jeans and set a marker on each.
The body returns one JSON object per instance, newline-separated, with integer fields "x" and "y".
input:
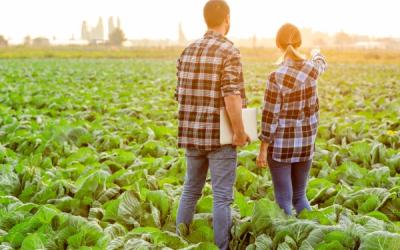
{"x": 290, "y": 182}
{"x": 222, "y": 164}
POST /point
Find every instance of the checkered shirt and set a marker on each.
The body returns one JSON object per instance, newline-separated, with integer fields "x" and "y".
{"x": 207, "y": 71}
{"x": 291, "y": 109}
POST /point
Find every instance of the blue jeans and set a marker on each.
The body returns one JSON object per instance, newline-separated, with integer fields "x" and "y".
{"x": 290, "y": 182}
{"x": 222, "y": 164}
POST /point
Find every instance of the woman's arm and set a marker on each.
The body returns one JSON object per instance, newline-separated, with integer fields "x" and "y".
{"x": 270, "y": 115}
{"x": 271, "y": 110}
{"x": 319, "y": 61}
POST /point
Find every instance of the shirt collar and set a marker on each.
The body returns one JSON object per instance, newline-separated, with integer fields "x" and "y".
{"x": 214, "y": 34}
{"x": 291, "y": 63}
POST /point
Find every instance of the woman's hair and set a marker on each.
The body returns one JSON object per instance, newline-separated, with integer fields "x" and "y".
{"x": 288, "y": 39}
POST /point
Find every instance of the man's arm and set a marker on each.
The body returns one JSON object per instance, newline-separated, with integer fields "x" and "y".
{"x": 178, "y": 68}
{"x": 232, "y": 86}
{"x": 233, "y": 105}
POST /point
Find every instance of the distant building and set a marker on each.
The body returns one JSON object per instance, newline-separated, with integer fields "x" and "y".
{"x": 93, "y": 34}
{"x": 118, "y": 23}
{"x": 369, "y": 45}
{"x": 41, "y": 42}
{"x": 97, "y": 34}
{"x": 112, "y": 26}
{"x": 3, "y": 42}
{"x": 27, "y": 40}
{"x": 99, "y": 30}
{"x": 68, "y": 42}
{"x": 181, "y": 35}
{"x": 162, "y": 43}
{"x": 254, "y": 41}
{"x": 85, "y": 34}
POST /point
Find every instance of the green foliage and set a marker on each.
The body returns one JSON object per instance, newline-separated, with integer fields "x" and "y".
{"x": 264, "y": 214}
{"x": 380, "y": 240}
{"x": 88, "y": 160}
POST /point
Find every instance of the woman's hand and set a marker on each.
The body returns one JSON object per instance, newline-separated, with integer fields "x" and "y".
{"x": 315, "y": 52}
{"x": 261, "y": 161}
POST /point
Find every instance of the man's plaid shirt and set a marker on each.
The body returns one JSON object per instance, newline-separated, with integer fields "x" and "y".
{"x": 291, "y": 110}
{"x": 208, "y": 70}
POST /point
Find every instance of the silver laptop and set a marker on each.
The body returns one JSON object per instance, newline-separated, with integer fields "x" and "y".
{"x": 249, "y": 116}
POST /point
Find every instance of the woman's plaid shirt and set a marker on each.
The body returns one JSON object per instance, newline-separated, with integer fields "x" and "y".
{"x": 291, "y": 109}
{"x": 208, "y": 70}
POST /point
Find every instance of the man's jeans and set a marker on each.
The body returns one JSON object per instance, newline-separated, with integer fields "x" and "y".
{"x": 222, "y": 164}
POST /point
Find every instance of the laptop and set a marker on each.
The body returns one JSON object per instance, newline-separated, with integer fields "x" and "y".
{"x": 249, "y": 116}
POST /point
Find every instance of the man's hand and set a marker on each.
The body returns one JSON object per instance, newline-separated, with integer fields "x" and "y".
{"x": 240, "y": 139}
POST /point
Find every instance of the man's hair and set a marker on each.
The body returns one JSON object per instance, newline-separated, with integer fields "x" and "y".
{"x": 215, "y": 12}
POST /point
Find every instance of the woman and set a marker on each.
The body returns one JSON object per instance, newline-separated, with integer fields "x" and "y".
{"x": 290, "y": 119}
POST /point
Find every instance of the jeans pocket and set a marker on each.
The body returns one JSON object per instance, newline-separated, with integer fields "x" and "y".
{"x": 224, "y": 152}
{"x": 194, "y": 152}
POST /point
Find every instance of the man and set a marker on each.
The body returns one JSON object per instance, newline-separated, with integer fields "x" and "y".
{"x": 210, "y": 77}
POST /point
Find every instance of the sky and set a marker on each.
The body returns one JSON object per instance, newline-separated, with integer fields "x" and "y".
{"x": 159, "y": 19}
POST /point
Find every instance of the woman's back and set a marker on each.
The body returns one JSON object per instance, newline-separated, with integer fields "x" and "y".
{"x": 290, "y": 114}
{"x": 298, "y": 87}
{"x": 290, "y": 120}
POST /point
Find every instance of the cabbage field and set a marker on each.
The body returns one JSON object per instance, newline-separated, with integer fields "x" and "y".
{"x": 88, "y": 160}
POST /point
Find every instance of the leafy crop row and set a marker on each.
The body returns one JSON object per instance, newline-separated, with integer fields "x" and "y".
{"x": 88, "y": 160}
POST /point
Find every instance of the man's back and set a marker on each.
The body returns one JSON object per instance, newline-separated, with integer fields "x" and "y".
{"x": 207, "y": 71}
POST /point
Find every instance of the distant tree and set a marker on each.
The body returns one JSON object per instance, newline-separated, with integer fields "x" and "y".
{"x": 319, "y": 42}
{"x": 41, "y": 42}
{"x": 3, "y": 42}
{"x": 117, "y": 37}
{"x": 27, "y": 41}
{"x": 389, "y": 43}
{"x": 343, "y": 39}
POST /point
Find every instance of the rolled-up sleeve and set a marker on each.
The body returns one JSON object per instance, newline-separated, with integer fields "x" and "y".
{"x": 232, "y": 81}
{"x": 271, "y": 110}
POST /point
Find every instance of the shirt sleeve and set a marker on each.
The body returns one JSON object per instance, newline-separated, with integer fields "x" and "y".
{"x": 319, "y": 62}
{"x": 271, "y": 110}
{"x": 232, "y": 82}
{"x": 178, "y": 68}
